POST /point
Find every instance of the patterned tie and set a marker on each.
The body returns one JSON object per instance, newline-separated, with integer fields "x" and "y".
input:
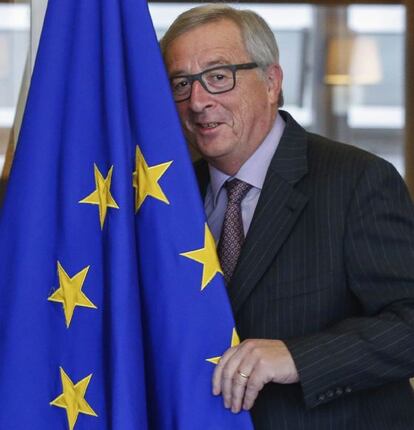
{"x": 232, "y": 234}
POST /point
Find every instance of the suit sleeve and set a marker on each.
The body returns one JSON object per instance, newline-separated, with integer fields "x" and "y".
{"x": 377, "y": 347}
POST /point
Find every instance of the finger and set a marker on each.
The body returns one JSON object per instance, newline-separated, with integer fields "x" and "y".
{"x": 238, "y": 389}
{"x": 241, "y": 380}
{"x": 230, "y": 377}
{"x": 218, "y": 371}
{"x": 253, "y": 387}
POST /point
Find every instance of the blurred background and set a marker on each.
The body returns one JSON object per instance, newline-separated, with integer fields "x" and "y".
{"x": 347, "y": 68}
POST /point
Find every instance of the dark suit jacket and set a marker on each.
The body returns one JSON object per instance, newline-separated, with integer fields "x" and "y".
{"x": 328, "y": 267}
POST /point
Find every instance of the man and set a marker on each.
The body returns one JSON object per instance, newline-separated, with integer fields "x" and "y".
{"x": 322, "y": 289}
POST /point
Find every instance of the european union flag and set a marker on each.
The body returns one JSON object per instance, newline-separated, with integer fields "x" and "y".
{"x": 112, "y": 307}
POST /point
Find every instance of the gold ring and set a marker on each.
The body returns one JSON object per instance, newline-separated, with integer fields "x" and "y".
{"x": 243, "y": 375}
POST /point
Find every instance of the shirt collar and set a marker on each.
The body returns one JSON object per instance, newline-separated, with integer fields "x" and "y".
{"x": 254, "y": 170}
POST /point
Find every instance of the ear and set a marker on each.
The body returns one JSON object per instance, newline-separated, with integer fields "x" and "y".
{"x": 274, "y": 78}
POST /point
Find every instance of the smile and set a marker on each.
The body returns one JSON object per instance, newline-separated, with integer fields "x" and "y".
{"x": 208, "y": 124}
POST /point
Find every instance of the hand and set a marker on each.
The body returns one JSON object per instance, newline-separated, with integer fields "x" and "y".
{"x": 243, "y": 371}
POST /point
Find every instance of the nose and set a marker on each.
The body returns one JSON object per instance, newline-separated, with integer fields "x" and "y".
{"x": 200, "y": 98}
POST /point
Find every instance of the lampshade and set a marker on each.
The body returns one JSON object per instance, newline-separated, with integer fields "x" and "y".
{"x": 353, "y": 60}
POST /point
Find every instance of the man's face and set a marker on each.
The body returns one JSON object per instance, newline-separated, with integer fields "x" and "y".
{"x": 226, "y": 128}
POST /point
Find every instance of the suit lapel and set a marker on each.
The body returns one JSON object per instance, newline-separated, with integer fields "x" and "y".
{"x": 277, "y": 211}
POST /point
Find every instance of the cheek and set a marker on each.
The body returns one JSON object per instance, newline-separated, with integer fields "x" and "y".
{"x": 181, "y": 112}
{"x": 243, "y": 116}
{"x": 184, "y": 117}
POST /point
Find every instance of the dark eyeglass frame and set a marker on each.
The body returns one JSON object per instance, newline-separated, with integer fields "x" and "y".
{"x": 198, "y": 77}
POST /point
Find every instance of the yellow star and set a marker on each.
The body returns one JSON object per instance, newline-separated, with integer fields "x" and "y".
{"x": 70, "y": 292}
{"x": 235, "y": 340}
{"x": 102, "y": 195}
{"x": 73, "y": 398}
{"x": 145, "y": 180}
{"x": 207, "y": 256}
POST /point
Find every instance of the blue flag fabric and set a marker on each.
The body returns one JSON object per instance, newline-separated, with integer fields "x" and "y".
{"x": 112, "y": 306}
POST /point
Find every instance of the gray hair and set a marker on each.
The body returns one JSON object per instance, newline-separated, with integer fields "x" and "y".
{"x": 258, "y": 38}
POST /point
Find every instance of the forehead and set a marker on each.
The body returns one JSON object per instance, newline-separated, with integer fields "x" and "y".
{"x": 204, "y": 46}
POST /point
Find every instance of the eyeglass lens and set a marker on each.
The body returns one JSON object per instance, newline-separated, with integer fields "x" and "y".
{"x": 214, "y": 80}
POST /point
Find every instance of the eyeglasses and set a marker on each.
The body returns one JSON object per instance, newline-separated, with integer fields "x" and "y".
{"x": 217, "y": 80}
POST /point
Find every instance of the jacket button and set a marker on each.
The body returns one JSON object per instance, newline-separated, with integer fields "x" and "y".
{"x": 339, "y": 391}
{"x": 348, "y": 389}
{"x": 321, "y": 397}
{"x": 330, "y": 394}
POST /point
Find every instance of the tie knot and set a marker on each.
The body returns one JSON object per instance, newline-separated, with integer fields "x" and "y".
{"x": 236, "y": 190}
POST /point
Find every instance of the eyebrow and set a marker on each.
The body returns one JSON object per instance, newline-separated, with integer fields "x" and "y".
{"x": 209, "y": 65}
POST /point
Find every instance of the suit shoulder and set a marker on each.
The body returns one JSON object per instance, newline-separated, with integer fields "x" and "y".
{"x": 320, "y": 145}
{"x": 345, "y": 169}
{"x": 332, "y": 156}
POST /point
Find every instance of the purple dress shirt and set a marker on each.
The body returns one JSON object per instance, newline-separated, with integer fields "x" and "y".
{"x": 253, "y": 171}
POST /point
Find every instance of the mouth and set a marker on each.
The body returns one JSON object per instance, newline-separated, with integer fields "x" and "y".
{"x": 208, "y": 125}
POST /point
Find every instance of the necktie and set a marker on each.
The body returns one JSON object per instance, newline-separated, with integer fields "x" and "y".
{"x": 232, "y": 234}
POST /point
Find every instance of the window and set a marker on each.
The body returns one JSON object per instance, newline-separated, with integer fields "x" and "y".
{"x": 14, "y": 45}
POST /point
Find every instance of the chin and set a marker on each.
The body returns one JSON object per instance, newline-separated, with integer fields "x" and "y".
{"x": 213, "y": 155}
